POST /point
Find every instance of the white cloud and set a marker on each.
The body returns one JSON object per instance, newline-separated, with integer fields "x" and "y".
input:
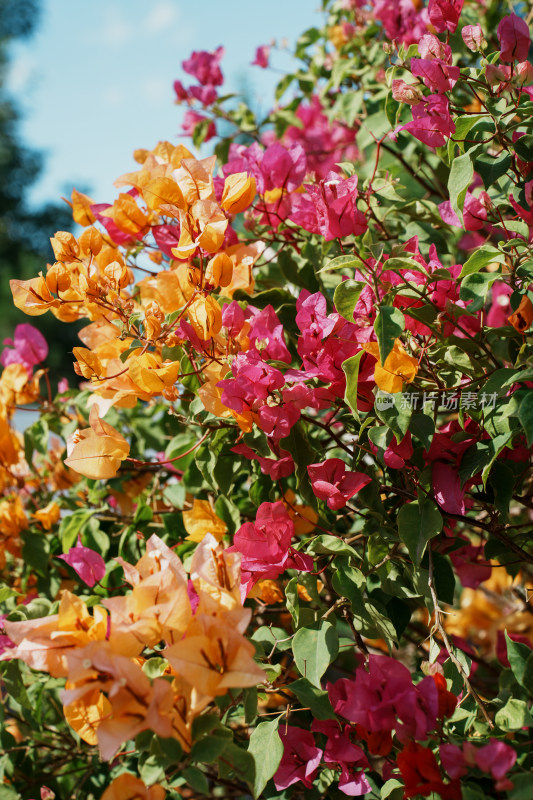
{"x": 163, "y": 14}
{"x": 117, "y": 28}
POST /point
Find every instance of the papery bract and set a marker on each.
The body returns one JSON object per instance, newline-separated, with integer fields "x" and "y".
{"x": 88, "y": 564}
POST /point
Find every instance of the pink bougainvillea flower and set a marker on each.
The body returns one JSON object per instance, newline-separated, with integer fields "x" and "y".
{"x": 262, "y": 55}
{"x": 28, "y": 347}
{"x": 300, "y": 760}
{"x": 89, "y": 565}
{"x": 331, "y": 209}
{"x": 436, "y": 74}
{"x": 432, "y": 123}
{"x": 444, "y": 14}
{"x": 333, "y": 483}
{"x": 496, "y": 758}
{"x": 473, "y": 37}
{"x": 205, "y": 67}
{"x": 349, "y": 756}
{"x": 421, "y": 774}
{"x": 265, "y": 546}
{"x": 192, "y": 119}
{"x": 401, "y": 19}
{"x": 474, "y": 213}
{"x": 514, "y": 39}
{"x": 447, "y": 488}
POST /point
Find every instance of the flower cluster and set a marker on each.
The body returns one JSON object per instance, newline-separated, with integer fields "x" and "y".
{"x": 272, "y": 537}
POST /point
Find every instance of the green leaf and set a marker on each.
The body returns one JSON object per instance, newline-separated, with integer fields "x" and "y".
{"x": 346, "y": 296}
{"x": 491, "y": 168}
{"x": 349, "y": 582}
{"x": 250, "y": 704}
{"x": 6, "y": 592}
{"x": 388, "y": 326}
{"x": 522, "y": 786}
{"x": 316, "y": 699}
{"x": 314, "y": 649}
{"x": 238, "y": 762}
{"x": 480, "y": 258}
{"x": 423, "y": 427}
{"x": 525, "y": 415}
{"x": 474, "y": 288}
{"x": 418, "y": 522}
{"x": 303, "y": 454}
{"x": 392, "y": 790}
{"x": 266, "y": 748}
{"x": 36, "y": 438}
{"x": 209, "y": 748}
{"x": 394, "y": 412}
{"x": 196, "y": 780}
{"x": 350, "y": 367}
{"x": 330, "y": 544}
{"x": 514, "y": 715}
{"x": 174, "y": 494}
{"x": 461, "y": 176}
{"x": 292, "y": 600}
{"x": 523, "y": 148}
{"x": 518, "y": 655}
{"x": 341, "y": 262}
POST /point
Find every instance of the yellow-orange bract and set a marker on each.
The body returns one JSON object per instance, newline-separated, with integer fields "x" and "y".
{"x": 85, "y": 714}
{"x": 44, "y": 643}
{"x": 98, "y": 451}
{"x": 399, "y": 367}
{"x": 48, "y": 516}
{"x": 239, "y": 192}
{"x": 522, "y": 318}
{"x": 128, "y": 787}
{"x": 201, "y": 520}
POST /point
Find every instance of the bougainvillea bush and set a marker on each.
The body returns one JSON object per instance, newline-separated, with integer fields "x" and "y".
{"x": 276, "y": 542}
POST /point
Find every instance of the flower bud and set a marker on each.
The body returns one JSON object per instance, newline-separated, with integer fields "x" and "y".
{"x": 404, "y": 92}
{"x": 473, "y": 38}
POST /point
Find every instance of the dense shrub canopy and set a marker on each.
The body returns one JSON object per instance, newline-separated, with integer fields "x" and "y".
{"x": 277, "y": 542}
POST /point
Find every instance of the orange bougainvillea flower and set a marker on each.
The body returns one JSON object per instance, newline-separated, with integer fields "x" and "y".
{"x": 523, "y": 316}
{"x": 43, "y": 643}
{"x": 13, "y": 520}
{"x": 214, "y": 656}
{"x": 128, "y": 787}
{"x": 48, "y": 516}
{"x": 205, "y": 315}
{"x": 239, "y": 192}
{"x": 157, "y": 608}
{"x": 399, "y": 367}
{"x": 87, "y": 363}
{"x": 204, "y": 225}
{"x": 33, "y": 296}
{"x": 216, "y": 576}
{"x": 219, "y": 270}
{"x": 81, "y": 208}
{"x": 201, "y": 520}
{"x": 96, "y": 452}
{"x": 151, "y": 375}
{"x": 127, "y": 215}
{"x": 136, "y": 704}
{"x": 85, "y": 714}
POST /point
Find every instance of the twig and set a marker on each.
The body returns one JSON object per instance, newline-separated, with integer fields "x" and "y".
{"x": 448, "y": 645}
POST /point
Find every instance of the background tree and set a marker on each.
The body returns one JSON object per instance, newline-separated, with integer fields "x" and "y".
{"x": 24, "y": 230}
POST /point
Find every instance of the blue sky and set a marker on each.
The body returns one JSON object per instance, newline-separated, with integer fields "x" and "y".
{"x": 95, "y": 81}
